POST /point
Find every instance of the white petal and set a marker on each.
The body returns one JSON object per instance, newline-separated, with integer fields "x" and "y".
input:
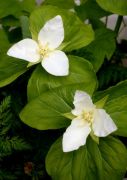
{"x": 56, "y": 63}
{"x": 82, "y": 101}
{"x": 103, "y": 125}
{"x": 26, "y": 49}
{"x": 52, "y": 34}
{"x": 75, "y": 135}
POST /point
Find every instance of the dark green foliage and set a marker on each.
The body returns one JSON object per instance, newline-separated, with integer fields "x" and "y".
{"x": 9, "y": 141}
{"x": 115, "y": 70}
{"x": 22, "y": 149}
{"x": 6, "y": 175}
{"x": 110, "y": 75}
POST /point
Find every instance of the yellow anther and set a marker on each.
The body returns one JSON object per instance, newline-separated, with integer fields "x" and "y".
{"x": 87, "y": 116}
{"x": 43, "y": 50}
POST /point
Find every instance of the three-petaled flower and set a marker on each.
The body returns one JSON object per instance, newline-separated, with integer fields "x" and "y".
{"x": 88, "y": 119}
{"x": 45, "y": 50}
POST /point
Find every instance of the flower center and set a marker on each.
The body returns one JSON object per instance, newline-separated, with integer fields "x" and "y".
{"x": 88, "y": 116}
{"x": 43, "y": 51}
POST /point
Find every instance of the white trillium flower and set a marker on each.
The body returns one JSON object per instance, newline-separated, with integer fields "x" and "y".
{"x": 45, "y": 50}
{"x": 88, "y": 119}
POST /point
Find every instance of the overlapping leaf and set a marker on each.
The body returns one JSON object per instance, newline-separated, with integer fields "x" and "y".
{"x": 102, "y": 47}
{"x": 3, "y": 41}
{"x": 77, "y": 34}
{"x": 80, "y": 74}
{"x": 10, "y": 69}
{"x": 60, "y": 3}
{"x": 90, "y": 10}
{"x": 108, "y": 159}
{"x": 15, "y": 7}
{"x": 114, "y": 6}
{"x": 54, "y": 95}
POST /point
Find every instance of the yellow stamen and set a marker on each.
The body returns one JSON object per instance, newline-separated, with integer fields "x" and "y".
{"x": 44, "y": 50}
{"x": 87, "y": 116}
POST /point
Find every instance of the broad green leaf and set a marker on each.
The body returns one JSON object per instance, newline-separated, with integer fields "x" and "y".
{"x": 116, "y": 105}
{"x": 80, "y": 76}
{"x": 114, "y": 158}
{"x": 90, "y": 10}
{"x": 114, "y": 6}
{"x": 10, "y": 7}
{"x": 60, "y": 3}
{"x": 28, "y": 5}
{"x": 92, "y": 161}
{"x": 25, "y": 27}
{"x": 77, "y": 34}
{"x": 10, "y": 69}
{"x": 15, "y": 7}
{"x": 49, "y": 110}
{"x": 103, "y": 46}
{"x": 4, "y": 43}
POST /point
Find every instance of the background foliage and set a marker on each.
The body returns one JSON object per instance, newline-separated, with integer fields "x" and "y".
{"x": 97, "y": 62}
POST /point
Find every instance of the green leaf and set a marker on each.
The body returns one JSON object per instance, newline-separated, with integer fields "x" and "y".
{"x": 114, "y": 6}
{"x": 90, "y": 10}
{"x": 28, "y": 5}
{"x": 4, "y": 43}
{"x": 15, "y": 7}
{"x": 81, "y": 73}
{"x": 116, "y": 105}
{"x": 49, "y": 110}
{"x": 60, "y": 3}
{"x": 25, "y": 27}
{"x": 76, "y": 36}
{"x": 108, "y": 159}
{"x": 10, "y": 69}
{"x": 10, "y": 7}
{"x": 103, "y": 46}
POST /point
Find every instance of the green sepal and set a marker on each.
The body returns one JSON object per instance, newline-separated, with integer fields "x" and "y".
{"x": 100, "y": 104}
{"x": 94, "y": 137}
{"x": 69, "y": 115}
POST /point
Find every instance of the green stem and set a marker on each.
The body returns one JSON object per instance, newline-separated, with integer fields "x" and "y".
{"x": 118, "y": 24}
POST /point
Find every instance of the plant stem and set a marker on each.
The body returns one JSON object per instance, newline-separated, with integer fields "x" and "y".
{"x": 118, "y": 24}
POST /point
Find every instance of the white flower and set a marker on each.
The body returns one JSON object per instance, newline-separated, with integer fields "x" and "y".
{"x": 45, "y": 50}
{"x": 88, "y": 118}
